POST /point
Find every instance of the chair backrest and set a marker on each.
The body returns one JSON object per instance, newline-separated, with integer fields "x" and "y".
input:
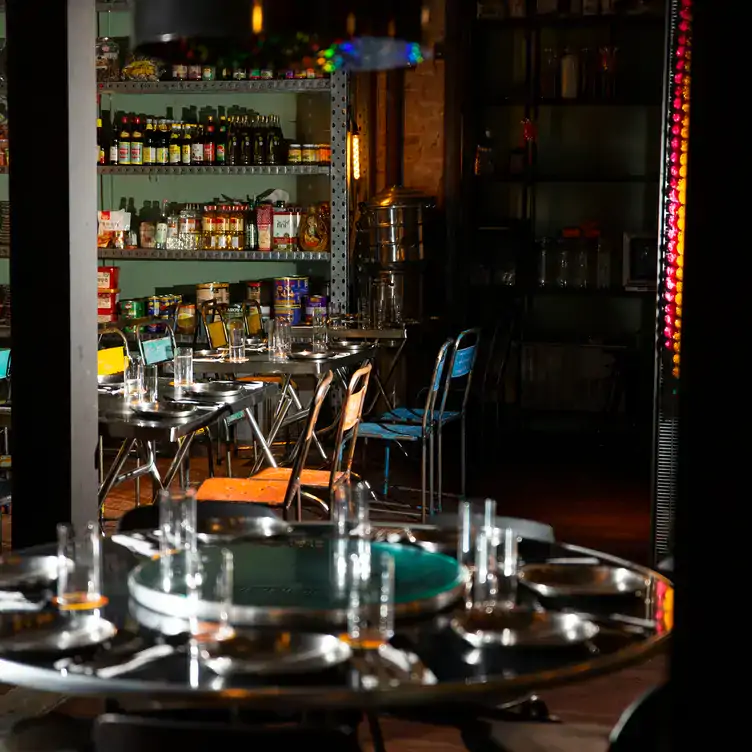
{"x": 111, "y": 360}
{"x": 347, "y": 428}
{"x": 645, "y": 725}
{"x": 313, "y": 415}
{"x": 461, "y": 364}
{"x": 252, "y": 317}
{"x": 4, "y": 364}
{"x": 157, "y": 350}
{"x": 437, "y": 379}
{"x": 212, "y": 316}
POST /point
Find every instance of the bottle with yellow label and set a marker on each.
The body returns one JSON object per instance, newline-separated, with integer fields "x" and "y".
{"x": 176, "y": 138}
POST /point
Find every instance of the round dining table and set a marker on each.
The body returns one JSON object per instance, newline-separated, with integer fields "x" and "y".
{"x": 631, "y": 627}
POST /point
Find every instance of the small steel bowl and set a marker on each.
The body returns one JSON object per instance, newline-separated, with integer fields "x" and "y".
{"x": 562, "y": 580}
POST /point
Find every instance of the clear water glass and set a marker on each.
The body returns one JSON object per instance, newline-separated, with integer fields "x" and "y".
{"x": 280, "y": 339}
{"x": 177, "y": 520}
{"x": 150, "y": 383}
{"x": 361, "y": 498}
{"x": 318, "y": 330}
{"x": 507, "y": 576}
{"x": 183, "y": 367}
{"x": 485, "y": 570}
{"x": 489, "y": 513}
{"x": 209, "y": 580}
{"x": 79, "y": 568}
{"x": 370, "y": 607}
{"x": 465, "y": 533}
{"x": 341, "y": 509}
{"x": 133, "y": 380}
{"x": 364, "y": 312}
{"x": 236, "y": 340}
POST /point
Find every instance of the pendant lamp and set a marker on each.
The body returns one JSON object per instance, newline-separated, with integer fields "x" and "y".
{"x": 327, "y": 35}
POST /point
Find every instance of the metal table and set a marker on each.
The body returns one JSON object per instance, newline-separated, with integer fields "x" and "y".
{"x": 117, "y": 421}
{"x": 464, "y": 675}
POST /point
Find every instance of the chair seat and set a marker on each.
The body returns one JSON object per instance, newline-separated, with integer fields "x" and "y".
{"x": 414, "y": 415}
{"x": 390, "y": 432}
{"x": 311, "y": 478}
{"x": 243, "y": 490}
{"x": 274, "y": 379}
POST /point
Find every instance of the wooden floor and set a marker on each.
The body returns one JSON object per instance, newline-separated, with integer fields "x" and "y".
{"x": 593, "y": 503}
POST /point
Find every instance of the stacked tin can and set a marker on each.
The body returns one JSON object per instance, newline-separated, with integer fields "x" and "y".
{"x": 289, "y": 293}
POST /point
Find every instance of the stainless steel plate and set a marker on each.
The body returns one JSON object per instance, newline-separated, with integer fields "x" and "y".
{"x": 163, "y": 410}
{"x": 276, "y": 653}
{"x": 61, "y": 636}
{"x": 215, "y": 388}
{"x": 310, "y": 355}
{"x": 551, "y": 580}
{"x": 16, "y": 571}
{"x": 207, "y": 354}
{"x": 350, "y": 345}
{"x": 523, "y": 627}
{"x": 220, "y": 529}
{"x": 111, "y": 378}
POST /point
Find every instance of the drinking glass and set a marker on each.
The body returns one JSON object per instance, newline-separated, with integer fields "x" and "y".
{"x": 318, "y": 330}
{"x": 209, "y": 580}
{"x": 150, "y": 383}
{"x": 280, "y": 339}
{"x": 361, "y": 498}
{"x": 79, "y": 568}
{"x": 177, "y": 520}
{"x": 133, "y": 380}
{"x": 489, "y": 513}
{"x": 364, "y": 312}
{"x": 236, "y": 340}
{"x": 485, "y": 574}
{"x": 464, "y": 533}
{"x": 341, "y": 509}
{"x": 507, "y": 577}
{"x": 183, "y": 366}
{"x": 370, "y": 607}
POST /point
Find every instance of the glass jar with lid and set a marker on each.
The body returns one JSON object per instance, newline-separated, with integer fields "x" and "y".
{"x": 208, "y": 222}
{"x": 237, "y": 228}
{"x": 222, "y": 227}
{"x": 310, "y": 154}
{"x": 189, "y": 228}
{"x": 294, "y": 154}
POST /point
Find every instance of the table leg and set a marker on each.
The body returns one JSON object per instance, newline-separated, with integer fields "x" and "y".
{"x": 381, "y": 383}
{"x": 299, "y": 406}
{"x": 112, "y": 474}
{"x": 184, "y": 446}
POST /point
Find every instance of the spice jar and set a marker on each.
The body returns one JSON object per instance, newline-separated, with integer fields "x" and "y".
{"x": 107, "y": 56}
{"x": 295, "y": 154}
{"x": 194, "y": 72}
{"x": 310, "y": 154}
{"x": 208, "y": 223}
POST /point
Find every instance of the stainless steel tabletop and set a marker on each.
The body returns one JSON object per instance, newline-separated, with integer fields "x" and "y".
{"x": 259, "y": 363}
{"x": 462, "y": 674}
{"x": 305, "y": 332}
{"x": 118, "y": 421}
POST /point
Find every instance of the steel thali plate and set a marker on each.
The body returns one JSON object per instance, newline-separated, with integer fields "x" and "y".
{"x": 18, "y": 571}
{"x": 167, "y": 410}
{"x": 215, "y": 388}
{"x": 296, "y": 582}
{"x": 567, "y": 580}
{"x": 50, "y": 633}
{"x": 309, "y": 355}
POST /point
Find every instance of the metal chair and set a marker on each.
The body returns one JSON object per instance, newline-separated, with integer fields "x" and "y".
{"x": 413, "y": 425}
{"x": 645, "y": 725}
{"x": 344, "y": 442}
{"x": 212, "y": 318}
{"x": 157, "y": 350}
{"x": 272, "y": 492}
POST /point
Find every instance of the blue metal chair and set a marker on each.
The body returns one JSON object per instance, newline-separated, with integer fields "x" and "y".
{"x": 420, "y": 427}
{"x": 157, "y": 350}
{"x": 461, "y": 364}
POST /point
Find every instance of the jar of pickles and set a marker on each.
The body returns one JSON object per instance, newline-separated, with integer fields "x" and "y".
{"x": 208, "y": 225}
{"x": 237, "y": 228}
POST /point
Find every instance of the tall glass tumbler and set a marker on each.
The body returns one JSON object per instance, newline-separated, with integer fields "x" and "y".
{"x": 183, "y": 366}
{"x": 133, "y": 380}
{"x": 79, "y": 570}
{"x": 370, "y": 610}
{"x": 236, "y": 340}
{"x": 485, "y": 571}
{"x": 318, "y": 330}
{"x": 151, "y": 383}
{"x": 209, "y": 586}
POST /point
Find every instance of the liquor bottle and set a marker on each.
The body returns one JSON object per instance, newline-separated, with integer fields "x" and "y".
{"x": 114, "y": 146}
{"x": 150, "y": 143}
{"x": 246, "y": 143}
{"x": 220, "y": 155}
{"x": 162, "y": 141}
{"x": 259, "y": 141}
{"x": 274, "y": 141}
{"x": 160, "y": 239}
{"x": 210, "y": 143}
{"x": 176, "y": 146}
{"x": 186, "y": 145}
{"x": 124, "y": 145}
{"x": 137, "y": 143}
{"x": 197, "y": 146}
{"x": 101, "y": 150}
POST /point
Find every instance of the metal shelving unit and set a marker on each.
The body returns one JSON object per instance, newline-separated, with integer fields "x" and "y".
{"x": 274, "y": 86}
{"x": 227, "y": 170}
{"x": 169, "y": 255}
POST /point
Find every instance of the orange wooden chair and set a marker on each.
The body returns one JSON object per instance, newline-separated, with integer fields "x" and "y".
{"x": 273, "y": 492}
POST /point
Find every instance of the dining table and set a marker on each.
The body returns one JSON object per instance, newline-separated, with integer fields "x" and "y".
{"x": 296, "y": 655}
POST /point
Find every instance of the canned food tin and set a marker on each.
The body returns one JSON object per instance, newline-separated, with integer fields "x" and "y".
{"x": 285, "y": 289}
{"x": 154, "y": 310}
{"x": 290, "y": 313}
{"x": 133, "y": 309}
{"x": 253, "y": 291}
{"x": 314, "y": 302}
{"x": 219, "y": 291}
{"x": 300, "y": 286}
{"x": 107, "y": 277}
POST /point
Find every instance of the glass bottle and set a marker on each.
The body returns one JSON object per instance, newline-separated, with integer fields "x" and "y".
{"x": 210, "y": 143}
{"x": 602, "y": 264}
{"x": 484, "y": 155}
{"x": 544, "y": 261}
{"x": 580, "y": 277}
{"x": 208, "y": 225}
{"x": 237, "y": 228}
{"x": 186, "y": 145}
{"x": 175, "y": 148}
{"x": 562, "y": 277}
{"x": 162, "y": 143}
{"x": 150, "y": 149}
{"x": 160, "y": 240}
{"x": 197, "y": 145}
{"x": 124, "y": 142}
{"x": 259, "y": 142}
{"x": 220, "y": 149}
{"x": 251, "y": 230}
{"x": 137, "y": 143}
{"x": 222, "y": 227}
{"x": 173, "y": 231}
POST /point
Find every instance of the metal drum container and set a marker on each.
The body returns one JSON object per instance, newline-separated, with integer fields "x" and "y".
{"x": 219, "y": 291}
{"x": 395, "y": 219}
{"x": 290, "y": 313}
{"x": 301, "y": 289}
{"x": 285, "y": 291}
{"x": 313, "y": 302}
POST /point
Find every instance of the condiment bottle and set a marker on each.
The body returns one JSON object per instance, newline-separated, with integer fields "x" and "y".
{"x": 208, "y": 225}
{"x": 237, "y": 228}
{"x": 222, "y": 228}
